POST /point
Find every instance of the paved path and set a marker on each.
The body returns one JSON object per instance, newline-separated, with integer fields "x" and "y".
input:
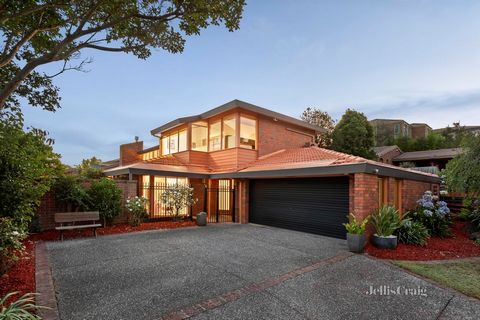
{"x": 238, "y": 272}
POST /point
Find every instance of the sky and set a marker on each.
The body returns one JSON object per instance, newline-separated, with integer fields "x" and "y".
{"x": 415, "y": 60}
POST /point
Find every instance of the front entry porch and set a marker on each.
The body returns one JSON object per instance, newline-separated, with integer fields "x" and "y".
{"x": 215, "y": 197}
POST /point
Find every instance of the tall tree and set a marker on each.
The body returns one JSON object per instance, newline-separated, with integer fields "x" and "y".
{"x": 38, "y": 32}
{"x": 354, "y": 135}
{"x": 462, "y": 173}
{"x": 322, "y": 119}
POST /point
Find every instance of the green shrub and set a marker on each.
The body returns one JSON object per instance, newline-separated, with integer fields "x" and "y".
{"x": 355, "y": 227}
{"x": 11, "y": 236}
{"x": 105, "y": 197}
{"x": 386, "y": 220}
{"x": 136, "y": 208}
{"x": 411, "y": 232}
{"x": 71, "y": 194}
{"x": 22, "y": 309}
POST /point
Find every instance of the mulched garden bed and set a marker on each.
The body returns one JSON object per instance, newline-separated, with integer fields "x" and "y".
{"x": 21, "y": 277}
{"x": 458, "y": 246}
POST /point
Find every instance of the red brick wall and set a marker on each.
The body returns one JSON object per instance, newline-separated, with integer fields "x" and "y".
{"x": 242, "y": 203}
{"x": 46, "y": 211}
{"x": 273, "y": 136}
{"x": 365, "y": 196}
{"x": 129, "y": 189}
{"x": 413, "y": 190}
{"x": 129, "y": 152}
{"x": 48, "y": 206}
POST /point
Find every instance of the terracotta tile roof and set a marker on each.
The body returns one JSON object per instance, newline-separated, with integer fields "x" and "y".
{"x": 302, "y": 157}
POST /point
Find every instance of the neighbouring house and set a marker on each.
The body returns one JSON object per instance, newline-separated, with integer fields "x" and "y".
{"x": 387, "y": 130}
{"x": 428, "y": 158}
{"x": 250, "y": 164}
{"x": 386, "y": 154}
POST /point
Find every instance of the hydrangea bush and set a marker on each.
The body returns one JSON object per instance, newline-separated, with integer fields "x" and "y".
{"x": 433, "y": 214}
{"x": 136, "y": 207}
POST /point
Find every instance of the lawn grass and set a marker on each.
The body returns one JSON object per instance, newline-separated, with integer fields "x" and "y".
{"x": 461, "y": 275}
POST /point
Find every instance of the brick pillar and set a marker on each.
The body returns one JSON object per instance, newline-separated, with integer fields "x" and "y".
{"x": 242, "y": 201}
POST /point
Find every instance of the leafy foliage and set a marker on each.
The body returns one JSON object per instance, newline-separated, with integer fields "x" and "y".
{"x": 178, "y": 197}
{"x": 37, "y": 32}
{"x": 105, "y": 197}
{"x": 471, "y": 212}
{"x": 354, "y": 226}
{"x": 412, "y": 232}
{"x": 354, "y": 135}
{"x": 28, "y": 167}
{"x": 462, "y": 173}
{"x": 433, "y": 214}
{"x": 386, "y": 220}
{"x": 70, "y": 192}
{"x": 90, "y": 168}
{"x": 11, "y": 236}
{"x": 322, "y": 119}
{"x": 432, "y": 141}
{"x": 22, "y": 309}
{"x": 136, "y": 207}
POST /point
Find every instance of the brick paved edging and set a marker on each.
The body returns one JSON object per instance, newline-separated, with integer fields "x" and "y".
{"x": 44, "y": 284}
{"x": 233, "y": 295}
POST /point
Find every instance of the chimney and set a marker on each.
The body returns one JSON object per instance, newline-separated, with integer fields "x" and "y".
{"x": 129, "y": 152}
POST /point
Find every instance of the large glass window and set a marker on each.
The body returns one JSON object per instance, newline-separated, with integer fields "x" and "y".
{"x": 215, "y": 136}
{"x": 174, "y": 142}
{"x": 248, "y": 133}
{"x": 229, "y": 139}
{"x": 165, "y": 145}
{"x": 199, "y": 136}
{"x": 182, "y": 141}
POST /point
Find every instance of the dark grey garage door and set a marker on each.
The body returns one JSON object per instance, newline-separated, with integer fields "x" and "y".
{"x": 315, "y": 205}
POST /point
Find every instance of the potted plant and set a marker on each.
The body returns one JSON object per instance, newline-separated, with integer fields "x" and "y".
{"x": 356, "y": 234}
{"x": 385, "y": 221}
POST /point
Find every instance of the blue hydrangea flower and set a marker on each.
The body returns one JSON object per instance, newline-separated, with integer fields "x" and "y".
{"x": 427, "y": 213}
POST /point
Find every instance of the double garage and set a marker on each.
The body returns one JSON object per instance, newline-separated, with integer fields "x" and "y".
{"x": 314, "y": 205}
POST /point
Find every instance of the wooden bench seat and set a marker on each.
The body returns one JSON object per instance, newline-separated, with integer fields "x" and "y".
{"x": 70, "y": 220}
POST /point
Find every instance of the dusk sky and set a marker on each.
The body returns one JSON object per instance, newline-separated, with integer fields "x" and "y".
{"x": 415, "y": 60}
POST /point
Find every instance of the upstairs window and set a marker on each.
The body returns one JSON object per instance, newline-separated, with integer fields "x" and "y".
{"x": 215, "y": 136}
{"x": 229, "y": 128}
{"x": 200, "y": 136}
{"x": 174, "y": 142}
{"x": 248, "y": 133}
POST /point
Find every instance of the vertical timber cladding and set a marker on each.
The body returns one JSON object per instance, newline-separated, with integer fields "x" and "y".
{"x": 314, "y": 205}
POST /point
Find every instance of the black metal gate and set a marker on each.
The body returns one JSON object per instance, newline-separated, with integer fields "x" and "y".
{"x": 218, "y": 202}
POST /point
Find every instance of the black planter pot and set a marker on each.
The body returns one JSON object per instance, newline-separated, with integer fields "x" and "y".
{"x": 355, "y": 242}
{"x": 389, "y": 242}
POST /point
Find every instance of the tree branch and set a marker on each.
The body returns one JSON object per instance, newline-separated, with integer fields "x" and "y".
{"x": 78, "y": 67}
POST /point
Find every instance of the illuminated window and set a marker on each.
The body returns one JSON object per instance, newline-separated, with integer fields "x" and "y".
{"x": 215, "y": 136}
{"x": 248, "y": 133}
{"x": 229, "y": 139}
{"x": 174, "y": 142}
{"x": 199, "y": 136}
{"x": 165, "y": 145}
{"x": 182, "y": 140}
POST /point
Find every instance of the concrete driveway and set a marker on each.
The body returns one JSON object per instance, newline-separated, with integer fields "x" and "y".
{"x": 235, "y": 271}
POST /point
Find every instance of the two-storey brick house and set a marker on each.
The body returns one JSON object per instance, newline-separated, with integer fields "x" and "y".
{"x": 250, "y": 164}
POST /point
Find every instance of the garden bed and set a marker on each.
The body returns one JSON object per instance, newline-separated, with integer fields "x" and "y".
{"x": 21, "y": 277}
{"x": 457, "y": 246}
